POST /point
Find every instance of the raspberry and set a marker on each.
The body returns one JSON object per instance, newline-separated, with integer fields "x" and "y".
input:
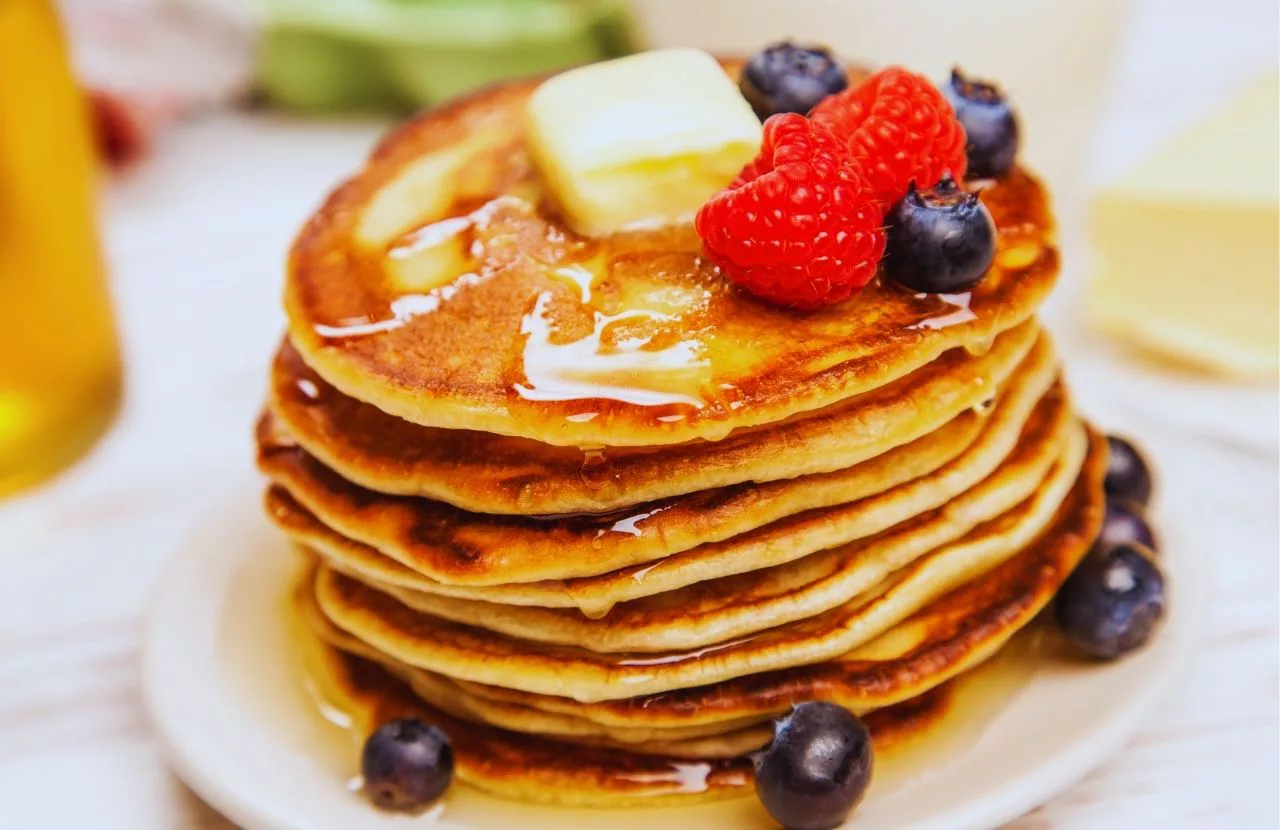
{"x": 799, "y": 225}
{"x": 901, "y": 128}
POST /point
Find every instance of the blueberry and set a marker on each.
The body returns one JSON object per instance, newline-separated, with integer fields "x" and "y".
{"x": 990, "y": 125}
{"x": 407, "y": 765}
{"x": 785, "y": 77}
{"x": 940, "y": 241}
{"x": 1112, "y": 602}
{"x": 1126, "y": 522}
{"x": 1128, "y": 476}
{"x": 817, "y": 768}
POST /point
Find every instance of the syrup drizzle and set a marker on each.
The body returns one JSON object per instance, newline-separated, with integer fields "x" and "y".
{"x": 959, "y": 311}
{"x": 431, "y": 236}
{"x": 629, "y": 525}
{"x": 688, "y": 777}
{"x": 403, "y": 309}
{"x": 578, "y": 276}
{"x": 682, "y": 657}
{"x": 309, "y": 390}
{"x": 593, "y": 367}
{"x": 430, "y": 265}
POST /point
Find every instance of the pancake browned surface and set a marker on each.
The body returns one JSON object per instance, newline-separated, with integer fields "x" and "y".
{"x": 481, "y": 344}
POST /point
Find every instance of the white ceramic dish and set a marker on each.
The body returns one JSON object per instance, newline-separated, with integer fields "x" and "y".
{"x": 225, "y": 695}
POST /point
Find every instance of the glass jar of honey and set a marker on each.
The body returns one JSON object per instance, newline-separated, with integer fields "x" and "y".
{"x": 60, "y": 375}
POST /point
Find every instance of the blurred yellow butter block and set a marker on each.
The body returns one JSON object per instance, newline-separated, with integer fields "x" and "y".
{"x": 1188, "y": 244}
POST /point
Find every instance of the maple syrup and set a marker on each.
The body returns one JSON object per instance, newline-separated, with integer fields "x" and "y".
{"x": 616, "y": 362}
{"x": 940, "y": 311}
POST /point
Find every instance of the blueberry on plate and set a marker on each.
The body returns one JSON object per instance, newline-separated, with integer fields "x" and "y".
{"x": 785, "y": 77}
{"x": 989, "y": 122}
{"x": 816, "y": 769}
{"x": 406, "y": 765}
{"x": 940, "y": 240}
{"x": 1128, "y": 474}
{"x": 1110, "y": 605}
{"x": 1125, "y": 522}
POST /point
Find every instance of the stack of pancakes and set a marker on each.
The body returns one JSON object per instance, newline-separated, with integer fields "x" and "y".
{"x": 602, "y": 516}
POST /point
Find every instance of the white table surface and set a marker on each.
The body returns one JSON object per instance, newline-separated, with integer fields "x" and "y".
{"x": 196, "y": 241}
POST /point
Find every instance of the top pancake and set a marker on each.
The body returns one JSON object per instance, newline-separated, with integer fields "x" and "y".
{"x": 439, "y": 286}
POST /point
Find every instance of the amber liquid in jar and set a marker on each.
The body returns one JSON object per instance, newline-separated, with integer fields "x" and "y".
{"x": 59, "y": 360}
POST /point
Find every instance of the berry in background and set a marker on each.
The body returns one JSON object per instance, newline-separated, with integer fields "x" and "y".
{"x": 1128, "y": 474}
{"x": 990, "y": 125}
{"x": 786, "y": 78}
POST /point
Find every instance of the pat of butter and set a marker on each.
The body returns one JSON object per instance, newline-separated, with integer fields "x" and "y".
{"x": 642, "y": 140}
{"x": 1187, "y": 244}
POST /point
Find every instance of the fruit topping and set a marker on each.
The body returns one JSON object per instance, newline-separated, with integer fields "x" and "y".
{"x": 940, "y": 240}
{"x": 785, "y": 77}
{"x": 1128, "y": 476}
{"x": 406, "y": 765}
{"x": 1110, "y": 605}
{"x": 990, "y": 125}
{"x": 799, "y": 226}
{"x": 639, "y": 141}
{"x": 816, "y": 769}
{"x": 1126, "y": 522}
{"x": 901, "y": 128}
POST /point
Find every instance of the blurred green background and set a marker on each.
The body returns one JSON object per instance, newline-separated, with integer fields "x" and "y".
{"x": 344, "y": 55}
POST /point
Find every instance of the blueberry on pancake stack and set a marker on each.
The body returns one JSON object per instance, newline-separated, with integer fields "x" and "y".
{"x": 615, "y": 424}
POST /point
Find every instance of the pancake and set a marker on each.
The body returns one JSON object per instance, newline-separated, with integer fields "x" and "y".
{"x": 438, "y": 285}
{"x": 1010, "y": 432}
{"x": 717, "y": 739}
{"x": 447, "y": 695}
{"x": 457, "y": 547}
{"x": 955, "y": 633}
{"x": 527, "y": 768}
{"x": 716, "y": 610}
{"x": 521, "y": 766}
{"x": 949, "y": 636}
{"x": 488, "y": 473}
{"x": 481, "y": 656}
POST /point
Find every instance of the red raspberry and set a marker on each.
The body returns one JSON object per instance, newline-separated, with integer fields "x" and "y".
{"x": 901, "y": 128}
{"x": 799, "y": 226}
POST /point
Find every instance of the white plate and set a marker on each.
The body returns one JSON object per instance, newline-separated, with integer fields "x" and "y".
{"x": 224, "y": 693}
